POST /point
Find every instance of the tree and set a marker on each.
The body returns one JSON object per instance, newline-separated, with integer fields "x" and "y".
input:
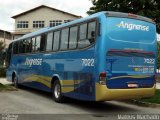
{"x": 148, "y": 8}
{"x": 2, "y": 53}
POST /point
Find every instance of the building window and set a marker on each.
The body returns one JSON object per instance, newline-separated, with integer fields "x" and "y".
{"x": 38, "y": 24}
{"x": 65, "y": 21}
{"x": 22, "y": 24}
{"x": 55, "y": 23}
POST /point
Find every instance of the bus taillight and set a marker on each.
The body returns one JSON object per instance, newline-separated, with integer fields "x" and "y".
{"x": 102, "y": 78}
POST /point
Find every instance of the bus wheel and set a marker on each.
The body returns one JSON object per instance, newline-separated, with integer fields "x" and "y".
{"x": 56, "y": 92}
{"x": 15, "y": 81}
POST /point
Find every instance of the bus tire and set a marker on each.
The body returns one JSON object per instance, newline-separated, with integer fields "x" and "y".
{"x": 15, "y": 81}
{"x": 57, "y": 92}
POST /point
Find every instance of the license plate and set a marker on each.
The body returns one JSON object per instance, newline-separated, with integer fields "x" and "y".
{"x": 132, "y": 85}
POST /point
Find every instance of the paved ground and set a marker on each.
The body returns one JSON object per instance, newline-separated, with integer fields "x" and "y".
{"x": 30, "y": 101}
{"x": 31, "y": 104}
{"x": 4, "y": 81}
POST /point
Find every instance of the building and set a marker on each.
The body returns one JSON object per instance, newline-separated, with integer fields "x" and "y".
{"x": 5, "y": 37}
{"x": 39, "y": 17}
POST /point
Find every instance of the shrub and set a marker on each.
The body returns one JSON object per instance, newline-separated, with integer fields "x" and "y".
{"x": 2, "y": 72}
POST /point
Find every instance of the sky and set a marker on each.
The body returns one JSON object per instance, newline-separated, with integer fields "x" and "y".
{"x": 9, "y": 8}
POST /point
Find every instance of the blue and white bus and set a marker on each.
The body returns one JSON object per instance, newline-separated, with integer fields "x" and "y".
{"x": 105, "y": 56}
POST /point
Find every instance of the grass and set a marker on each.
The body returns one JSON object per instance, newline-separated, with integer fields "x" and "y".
{"x": 7, "y": 87}
{"x": 154, "y": 99}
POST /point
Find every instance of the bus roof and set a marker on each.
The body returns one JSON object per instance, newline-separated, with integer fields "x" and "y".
{"x": 96, "y": 15}
{"x": 128, "y": 15}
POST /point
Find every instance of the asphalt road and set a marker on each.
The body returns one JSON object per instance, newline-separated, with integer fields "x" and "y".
{"x": 32, "y": 103}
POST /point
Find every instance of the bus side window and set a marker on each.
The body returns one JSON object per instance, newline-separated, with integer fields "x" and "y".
{"x": 28, "y": 46}
{"x": 15, "y": 48}
{"x": 73, "y": 37}
{"x": 91, "y": 31}
{"x": 83, "y": 42}
{"x": 33, "y": 44}
{"x": 37, "y": 45}
{"x": 21, "y": 47}
{"x": 43, "y": 42}
{"x": 24, "y": 46}
{"x": 56, "y": 40}
{"x": 64, "y": 39}
{"x": 87, "y": 34}
{"x": 49, "y": 41}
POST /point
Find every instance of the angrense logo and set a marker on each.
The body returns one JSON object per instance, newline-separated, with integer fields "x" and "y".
{"x": 31, "y": 62}
{"x": 131, "y": 26}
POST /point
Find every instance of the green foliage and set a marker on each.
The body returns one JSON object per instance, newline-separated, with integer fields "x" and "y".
{"x": 148, "y": 8}
{"x": 2, "y": 72}
{"x": 154, "y": 99}
{"x": 7, "y": 88}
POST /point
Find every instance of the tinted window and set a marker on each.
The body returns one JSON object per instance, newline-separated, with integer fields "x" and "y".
{"x": 73, "y": 37}
{"x": 49, "y": 41}
{"x": 83, "y": 31}
{"x": 87, "y": 34}
{"x": 43, "y": 42}
{"x": 37, "y": 45}
{"x": 91, "y": 29}
{"x": 33, "y": 44}
{"x": 28, "y": 46}
{"x": 15, "y": 48}
{"x": 64, "y": 39}
{"x": 56, "y": 40}
{"x": 22, "y": 46}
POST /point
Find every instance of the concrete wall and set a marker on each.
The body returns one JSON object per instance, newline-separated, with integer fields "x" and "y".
{"x": 7, "y": 42}
{"x": 42, "y": 14}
